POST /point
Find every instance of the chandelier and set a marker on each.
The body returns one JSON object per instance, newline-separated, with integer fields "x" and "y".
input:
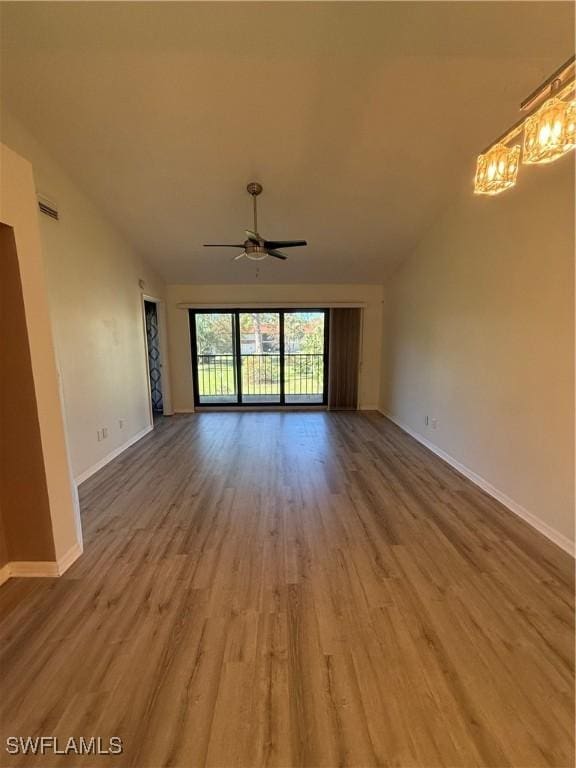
{"x": 549, "y": 132}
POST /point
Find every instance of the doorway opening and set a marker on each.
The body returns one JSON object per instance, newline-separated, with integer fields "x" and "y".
{"x": 154, "y": 358}
{"x": 260, "y": 357}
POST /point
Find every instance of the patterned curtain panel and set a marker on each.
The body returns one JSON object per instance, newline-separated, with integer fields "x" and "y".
{"x": 154, "y": 363}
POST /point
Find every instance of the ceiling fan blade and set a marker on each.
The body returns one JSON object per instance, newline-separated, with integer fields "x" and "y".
{"x": 253, "y": 236}
{"x": 239, "y": 256}
{"x": 223, "y": 245}
{"x": 276, "y": 254}
{"x": 284, "y": 243}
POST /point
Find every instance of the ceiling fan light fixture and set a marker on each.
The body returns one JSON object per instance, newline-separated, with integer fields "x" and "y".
{"x": 256, "y": 247}
{"x": 550, "y": 132}
{"x": 497, "y": 169}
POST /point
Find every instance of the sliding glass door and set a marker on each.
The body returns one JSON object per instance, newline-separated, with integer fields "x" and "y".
{"x": 216, "y": 379}
{"x": 259, "y": 357}
{"x": 305, "y": 339}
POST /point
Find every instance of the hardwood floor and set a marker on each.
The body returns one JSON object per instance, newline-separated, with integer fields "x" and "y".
{"x": 293, "y": 589}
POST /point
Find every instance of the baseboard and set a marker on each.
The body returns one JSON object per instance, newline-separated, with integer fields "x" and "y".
{"x": 546, "y": 530}
{"x": 112, "y": 455}
{"x": 33, "y": 569}
{"x": 69, "y": 557}
{"x": 37, "y": 569}
{"x": 4, "y": 573}
{"x": 184, "y": 410}
{"x": 368, "y": 408}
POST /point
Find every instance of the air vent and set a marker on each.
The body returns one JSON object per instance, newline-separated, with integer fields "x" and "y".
{"x": 48, "y": 207}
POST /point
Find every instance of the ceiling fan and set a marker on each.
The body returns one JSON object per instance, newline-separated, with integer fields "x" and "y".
{"x": 256, "y": 247}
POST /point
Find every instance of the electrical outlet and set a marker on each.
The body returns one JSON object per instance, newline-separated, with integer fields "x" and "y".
{"x": 99, "y": 435}
{"x": 434, "y": 423}
{"x": 121, "y": 423}
{"x": 104, "y": 432}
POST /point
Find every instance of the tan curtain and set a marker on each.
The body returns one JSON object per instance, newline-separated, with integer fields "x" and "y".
{"x": 344, "y": 358}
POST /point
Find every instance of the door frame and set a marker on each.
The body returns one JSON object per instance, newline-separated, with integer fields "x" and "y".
{"x": 236, "y": 311}
{"x": 167, "y": 409}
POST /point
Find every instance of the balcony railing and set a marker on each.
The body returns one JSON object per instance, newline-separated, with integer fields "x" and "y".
{"x": 304, "y": 375}
{"x": 261, "y": 380}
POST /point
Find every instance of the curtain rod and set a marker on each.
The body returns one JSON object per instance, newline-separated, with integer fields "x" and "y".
{"x": 273, "y": 305}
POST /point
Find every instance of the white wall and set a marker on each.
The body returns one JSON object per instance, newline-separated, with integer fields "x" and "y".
{"x": 18, "y": 209}
{"x": 314, "y": 295}
{"x": 95, "y": 307}
{"x": 479, "y": 334}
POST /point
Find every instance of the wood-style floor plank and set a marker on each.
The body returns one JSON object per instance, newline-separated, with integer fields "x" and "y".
{"x": 294, "y": 589}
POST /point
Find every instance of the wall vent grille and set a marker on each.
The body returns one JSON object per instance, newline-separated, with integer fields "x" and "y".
{"x": 47, "y": 207}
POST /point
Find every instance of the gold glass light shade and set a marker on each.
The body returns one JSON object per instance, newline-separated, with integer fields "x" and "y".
{"x": 550, "y": 132}
{"x": 496, "y": 170}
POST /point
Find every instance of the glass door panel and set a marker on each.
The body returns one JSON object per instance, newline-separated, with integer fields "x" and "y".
{"x": 260, "y": 354}
{"x": 304, "y": 357}
{"x": 216, "y": 358}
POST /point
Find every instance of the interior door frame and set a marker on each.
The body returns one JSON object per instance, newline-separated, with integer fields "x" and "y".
{"x": 236, "y": 312}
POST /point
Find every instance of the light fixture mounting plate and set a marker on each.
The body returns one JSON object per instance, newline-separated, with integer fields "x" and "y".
{"x": 254, "y": 188}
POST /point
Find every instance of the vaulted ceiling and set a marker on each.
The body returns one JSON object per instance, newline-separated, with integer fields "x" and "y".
{"x": 361, "y": 120}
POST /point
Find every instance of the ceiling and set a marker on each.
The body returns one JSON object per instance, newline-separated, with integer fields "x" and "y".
{"x": 361, "y": 120}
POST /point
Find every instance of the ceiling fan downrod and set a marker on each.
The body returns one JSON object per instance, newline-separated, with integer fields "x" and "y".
{"x": 255, "y": 189}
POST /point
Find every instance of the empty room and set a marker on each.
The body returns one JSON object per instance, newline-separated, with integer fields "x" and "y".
{"x": 287, "y": 416}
